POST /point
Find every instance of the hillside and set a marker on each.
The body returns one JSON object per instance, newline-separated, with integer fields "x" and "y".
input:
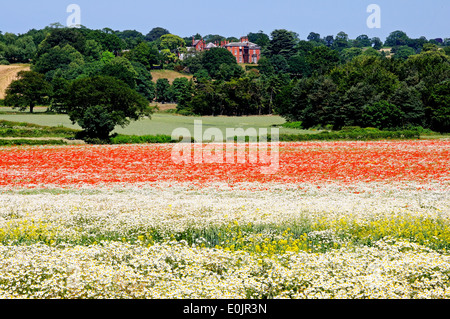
{"x": 8, "y": 73}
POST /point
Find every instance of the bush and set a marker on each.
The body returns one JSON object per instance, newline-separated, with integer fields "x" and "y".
{"x": 4, "y": 62}
{"x": 352, "y": 135}
{"x": 294, "y": 125}
{"x": 150, "y": 139}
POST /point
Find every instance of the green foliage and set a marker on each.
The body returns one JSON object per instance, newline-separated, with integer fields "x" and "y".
{"x": 171, "y": 42}
{"x": 156, "y": 33}
{"x": 322, "y": 59}
{"x": 146, "y": 139}
{"x": 282, "y": 43}
{"x": 440, "y": 107}
{"x": 362, "y": 41}
{"x": 213, "y": 59}
{"x": 145, "y": 54}
{"x": 353, "y": 135}
{"x": 96, "y": 122}
{"x": 341, "y": 41}
{"x": 61, "y": 38}
{"x": 403, "y": 52}
{"x": 259, "y": 38}
{"x": 144, "y": 84}
{"x": 382, "y": 115}
{"x": 348, "y": 54}
{"x": 121, "y": 69}
{"x": 294, "y": 125}
{"x": 182, "y": 90}
{"x": 377, "y": 44}
{"x": 163, "y": 92}
{"x": 397, "y": 38}
{"x": 132, "y": 38}
{"x": 58, "y": 57}
{"x": 100, "y": 103}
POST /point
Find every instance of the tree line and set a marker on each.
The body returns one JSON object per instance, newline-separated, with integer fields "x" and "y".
{"x": 333, "y": 82}
{"x": 329, "y": 81}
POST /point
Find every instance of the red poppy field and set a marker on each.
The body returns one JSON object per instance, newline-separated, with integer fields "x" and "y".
{"x": 342, "y": 162}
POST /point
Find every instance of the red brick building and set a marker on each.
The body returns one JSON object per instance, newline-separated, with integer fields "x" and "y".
{"x": 198, "y": 45}
{"x": 244, "y": 51}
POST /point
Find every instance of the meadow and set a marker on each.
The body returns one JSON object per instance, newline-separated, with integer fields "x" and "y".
{"x": 160, "y": 123}
{"x": 337, "y": 220}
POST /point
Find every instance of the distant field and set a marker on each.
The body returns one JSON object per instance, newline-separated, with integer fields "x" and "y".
{"x": 8, "y": 73}
{"x": 168, "y": 74}
{"x": 161, "y": 123}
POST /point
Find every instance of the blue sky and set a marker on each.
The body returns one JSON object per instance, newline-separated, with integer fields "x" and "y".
{"x": 236, "y": 17}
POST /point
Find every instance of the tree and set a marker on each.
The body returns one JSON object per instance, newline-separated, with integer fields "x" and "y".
{"x": 329, "y": 40}
{"x": 299, "y": 67}
{"x": 101, "y": 103}
{"x": 314, "y": 37}
{"x": 397, "y": 38}
{"x": 279, "y": 63}
{"x": 265, "y": 66}
{"x": 132, "y": 38}
{"x": 382, "y": 115}
{"x": 229, "y": 71}
{"x": 321, "y": 59}
{"x": 171, "y": 42}
{"x": 163, "y": 93}
{"x": 29, "y": 90}
{"x": 156, "y": 33}
{"x": 182, "y": 90}
{"x": 214, "y": 58}
{"x": 259, "y": 38}
{"x": 145, "y": 54}
{"x": 341, "y": 41}
{"x": 372, "y": 52}
{"x": 61, "y": 38}
{"x": 144, "y": 84}
{"x": 93, "y": 51}
{"x": 348, "y": 54}
{"x": 403, "y": 52}
{"x": 363, "y": 41}
{"x": 122, "y": 69}
{"x": 440, "y": 107}
{"x": 303, "y": 47}
{"x": 377, "y": 44}
{"x": 282, "y": 43}
{"x": 58, "y": 57}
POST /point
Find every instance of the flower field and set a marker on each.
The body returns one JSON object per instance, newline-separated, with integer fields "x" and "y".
{"x": 337, "y": 220}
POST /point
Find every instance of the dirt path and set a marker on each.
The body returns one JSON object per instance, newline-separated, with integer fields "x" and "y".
{"x": 8, "y": 73}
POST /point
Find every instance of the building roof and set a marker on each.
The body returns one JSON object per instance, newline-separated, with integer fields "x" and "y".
{"x": 211, "y": 45}
{"x": 196, "y": 42}
{"x": 243, "y": 44}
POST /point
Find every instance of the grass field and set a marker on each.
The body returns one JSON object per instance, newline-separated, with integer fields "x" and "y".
{"x": 168, "y": 74}
{"x": 161, "y": 123}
